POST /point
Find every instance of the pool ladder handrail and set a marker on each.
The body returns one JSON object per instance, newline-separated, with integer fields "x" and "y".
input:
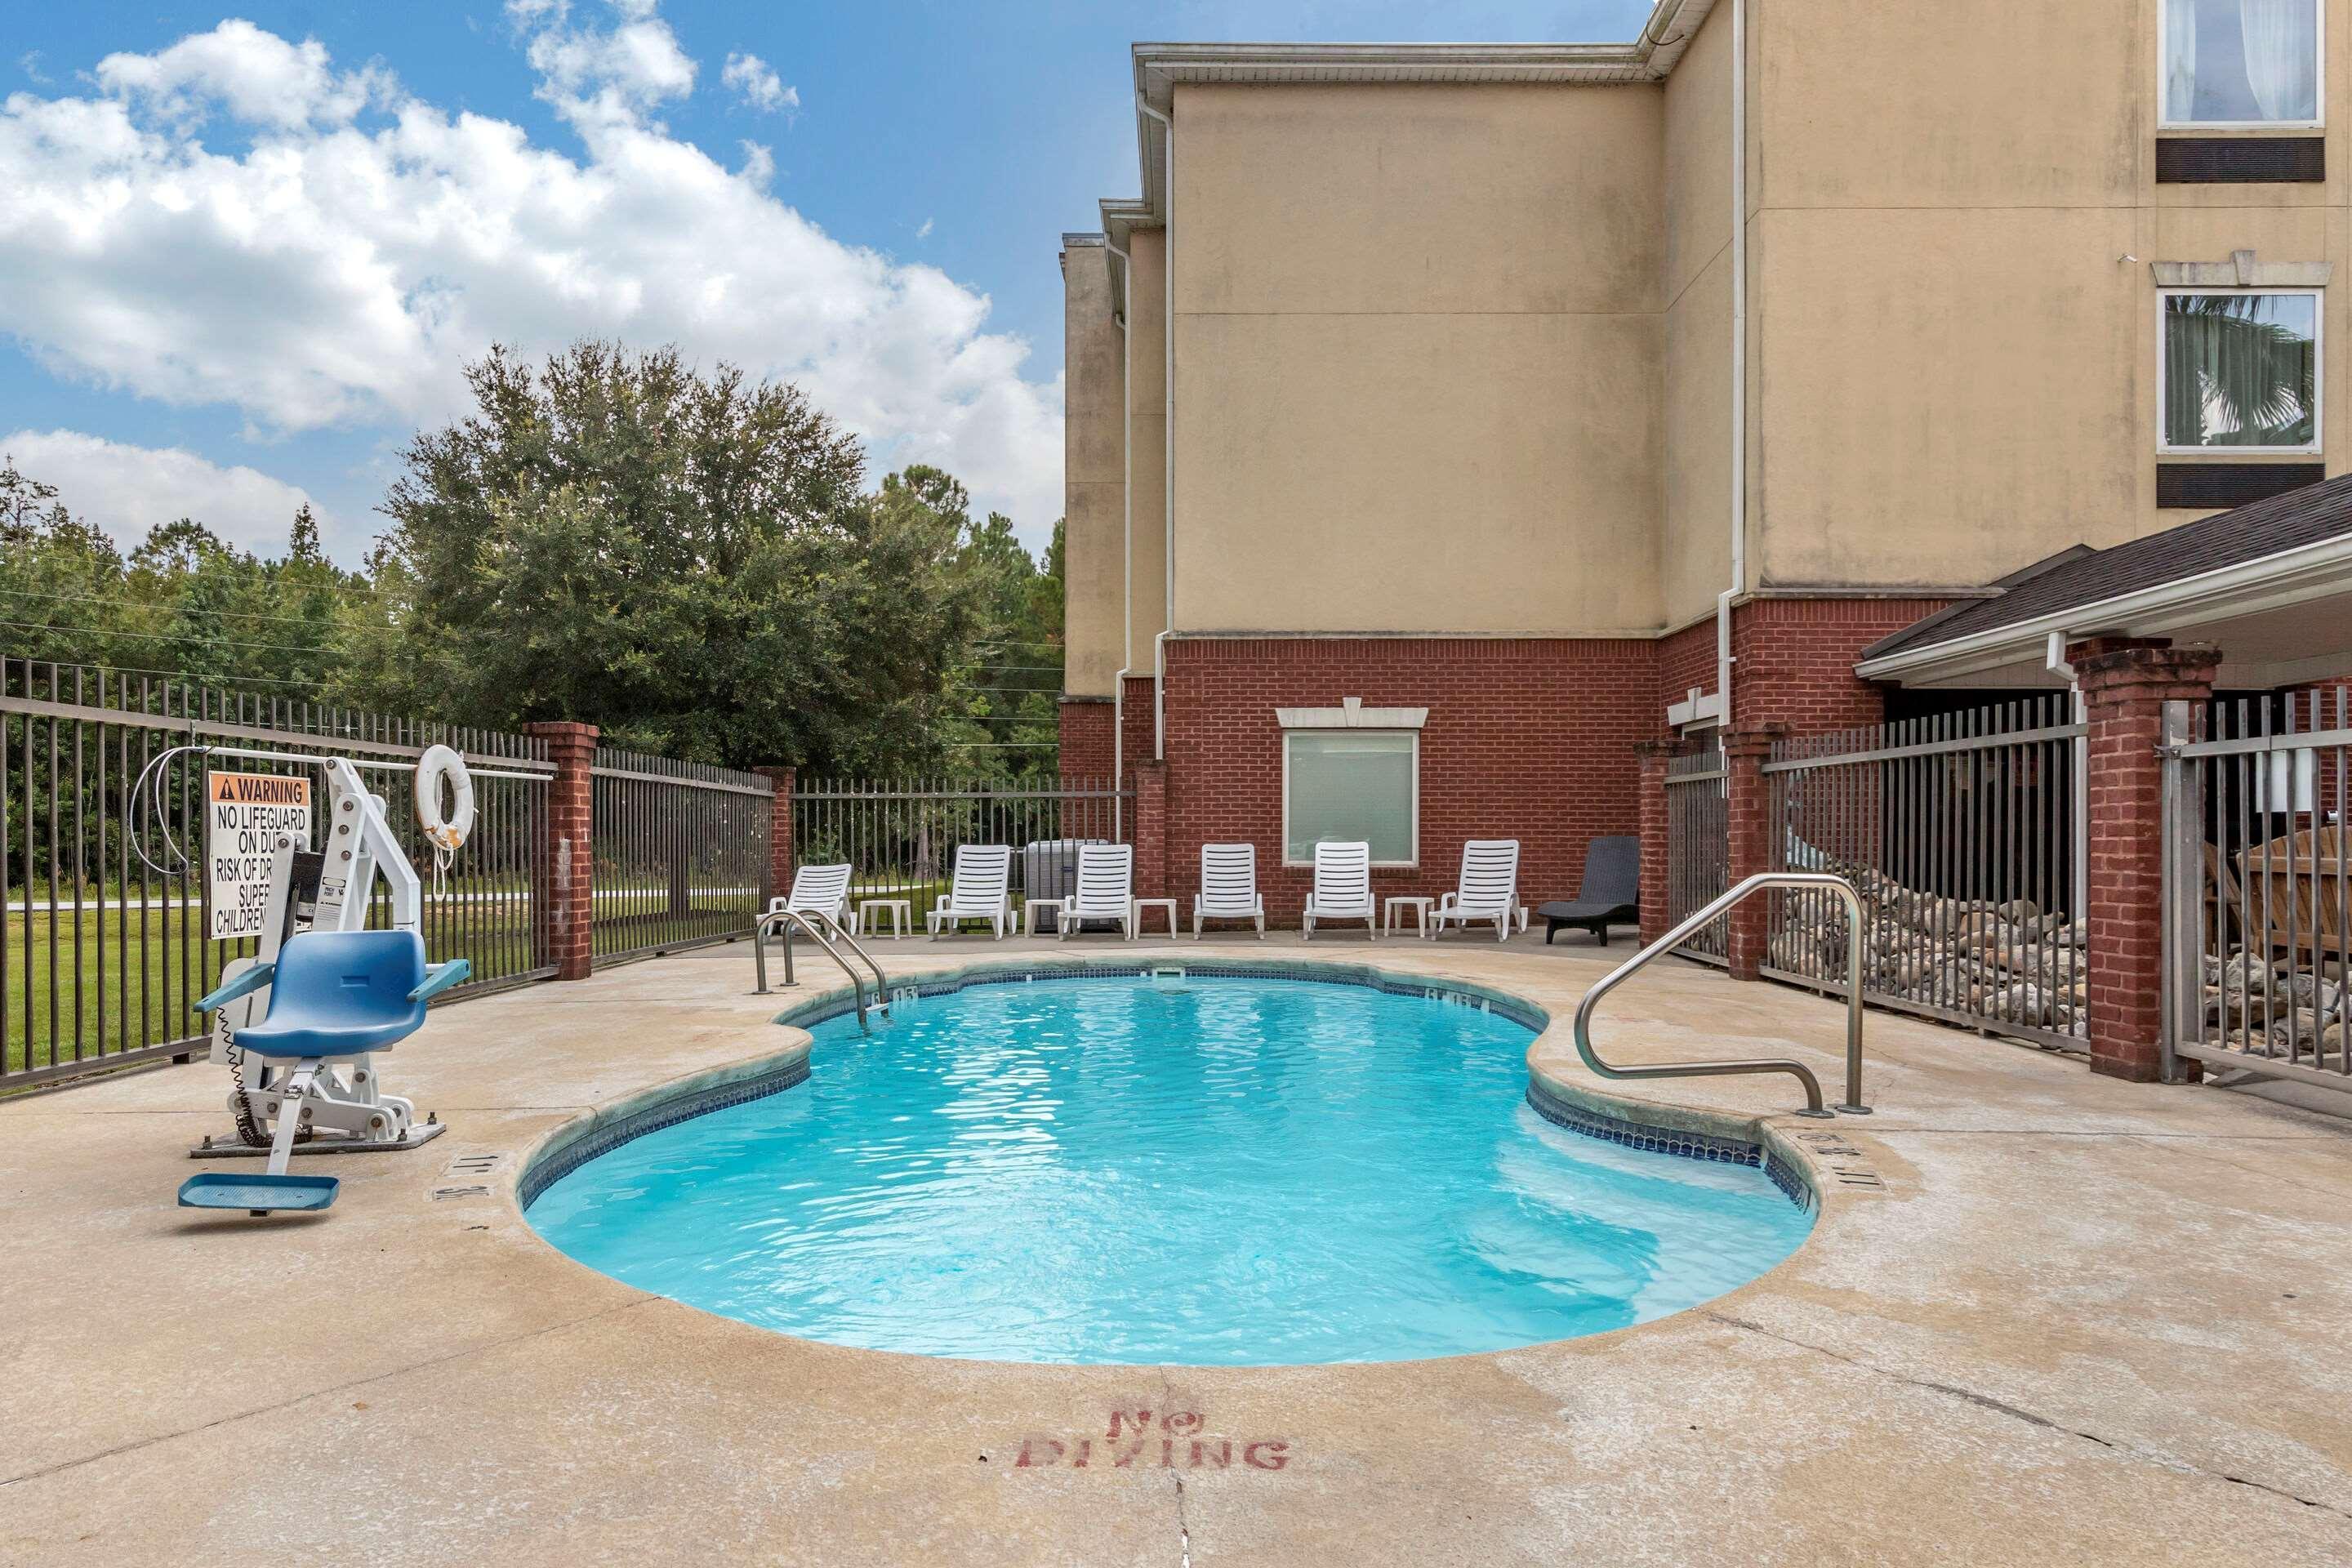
{"x": 1815, "y": 880}
{"x": 815, "y": 923}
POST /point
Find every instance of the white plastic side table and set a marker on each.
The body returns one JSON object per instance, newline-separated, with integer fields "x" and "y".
{"x": 1416, "y": 902}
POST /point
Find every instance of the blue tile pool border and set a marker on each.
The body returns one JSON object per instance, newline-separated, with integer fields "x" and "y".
{"x": 1681, "y": 1144}
{"x": 1501, "y": 1006}
{"x": 600, "y": 1141}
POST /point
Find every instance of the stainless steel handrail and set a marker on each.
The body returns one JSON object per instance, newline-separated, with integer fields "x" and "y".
{"x": 1817, "y": 880}
{"x": 784, "y": 921}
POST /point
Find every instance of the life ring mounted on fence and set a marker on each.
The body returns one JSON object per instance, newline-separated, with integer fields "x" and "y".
{"x": 439, "y": 764}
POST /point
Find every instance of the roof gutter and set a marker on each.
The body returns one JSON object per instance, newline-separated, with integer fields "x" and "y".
{"x": 2268, "y": 582}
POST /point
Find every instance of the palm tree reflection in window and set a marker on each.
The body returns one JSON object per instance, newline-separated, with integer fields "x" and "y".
{"x": 2241, "y": 370}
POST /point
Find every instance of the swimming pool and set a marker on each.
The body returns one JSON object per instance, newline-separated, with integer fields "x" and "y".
{"x": 1222, "y": 1170}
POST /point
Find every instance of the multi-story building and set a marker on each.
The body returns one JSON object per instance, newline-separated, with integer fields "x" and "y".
{"x": 1444, "y": 421}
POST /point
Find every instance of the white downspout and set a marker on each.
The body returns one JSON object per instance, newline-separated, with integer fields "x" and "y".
{"x": 1168, "y": 436}
{"x": 1125, "y": 538}
{"x": 2055, "y": 658}
{"x": 1738, "y": 364}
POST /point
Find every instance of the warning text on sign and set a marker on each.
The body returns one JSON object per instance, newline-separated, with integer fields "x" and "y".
{"x": 245, "y": 816}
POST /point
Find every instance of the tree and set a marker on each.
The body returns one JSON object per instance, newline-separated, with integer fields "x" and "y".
{"x": 684, "y": 560}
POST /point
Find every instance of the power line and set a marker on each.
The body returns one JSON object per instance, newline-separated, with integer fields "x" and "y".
{"x": 209, "y": 642}
{"x": 189, "y": 677}
{"x": 126, "y": 600}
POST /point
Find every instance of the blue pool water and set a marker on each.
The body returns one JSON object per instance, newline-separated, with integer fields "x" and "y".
{"x": 1234, "y": 1172}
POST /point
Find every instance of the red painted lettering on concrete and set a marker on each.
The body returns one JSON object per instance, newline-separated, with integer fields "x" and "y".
{"x": 1184, "y": 1443}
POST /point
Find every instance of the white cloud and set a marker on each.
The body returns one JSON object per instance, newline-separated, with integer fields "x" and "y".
{"x": 129, "y": 490}
{"x": 758, "y": 84}
{"x": 925, "y": 231}
{"x": 256, "y": 76}
{"x": 341, "y": 267}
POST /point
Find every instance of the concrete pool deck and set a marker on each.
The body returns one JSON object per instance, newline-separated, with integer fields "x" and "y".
{"x": 2045, "y": 1318}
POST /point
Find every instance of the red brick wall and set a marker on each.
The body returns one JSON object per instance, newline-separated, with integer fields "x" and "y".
{"x": 780, "y": 834}
{"x": 1794, "y": 659}
{"x": 1085, "y": 725}
{"x": 1136, "y": 725}
{"x": 1685, "y": 659}
{"x": 1530, "y": 739}
{"x": 562, "y": 884}
{"x": 2124, "y": 686}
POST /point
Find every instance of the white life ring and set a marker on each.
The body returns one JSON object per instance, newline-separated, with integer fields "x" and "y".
{"x": 437, "y": 763}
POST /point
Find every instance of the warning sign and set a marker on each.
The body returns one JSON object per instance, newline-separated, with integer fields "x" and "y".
{"x": 245, "y": 816}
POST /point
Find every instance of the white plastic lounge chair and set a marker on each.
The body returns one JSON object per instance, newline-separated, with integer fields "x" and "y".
{"x": 1228, "y": 887}
{"x": 819, "y": 890}
{"x": 1488, "y": 888}
{"x": 1343, "y": 888}
{"x": 980, "y": 891}
{"x": 1106, "y": 889}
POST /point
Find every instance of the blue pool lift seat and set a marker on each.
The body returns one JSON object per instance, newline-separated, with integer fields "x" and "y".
{"x": 342, "y": 994}
{"x": 333, "y": 997}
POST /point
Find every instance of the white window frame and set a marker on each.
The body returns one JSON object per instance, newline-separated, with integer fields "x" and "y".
{"x": 1289, "y": 731}
{"x": 2319, "y": 376}
{"x": 2320, "y": 99}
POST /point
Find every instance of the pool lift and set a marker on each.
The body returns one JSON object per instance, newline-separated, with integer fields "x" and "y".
{"x": 323, "y": 993}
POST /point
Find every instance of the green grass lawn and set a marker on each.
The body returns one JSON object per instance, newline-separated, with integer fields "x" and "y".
{"x": 113, "y": 1006}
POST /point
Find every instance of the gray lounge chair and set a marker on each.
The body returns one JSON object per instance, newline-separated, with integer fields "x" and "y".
{"x": 1611, "y": 894}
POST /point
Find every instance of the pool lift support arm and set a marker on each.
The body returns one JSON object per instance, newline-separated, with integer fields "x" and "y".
{"x": 1815, "y": 881}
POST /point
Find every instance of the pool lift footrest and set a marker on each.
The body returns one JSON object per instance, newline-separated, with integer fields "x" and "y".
{"x": 270, "y": 1191}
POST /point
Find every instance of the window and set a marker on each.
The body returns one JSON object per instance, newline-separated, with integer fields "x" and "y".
{"x": 2241, "y": 62}
{"x": 1348, "y": 785}
{"x": 2240, "y": 369}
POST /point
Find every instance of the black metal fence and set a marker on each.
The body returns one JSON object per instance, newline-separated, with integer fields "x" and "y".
{"x": 2258, "y": 884}
{"x": 102, "y": 953}
{"x": 1961, "y": 833}
{"x": 1698, "y": 846}
{"x": 901, "y": 840}
{"x": 681, "y": 853}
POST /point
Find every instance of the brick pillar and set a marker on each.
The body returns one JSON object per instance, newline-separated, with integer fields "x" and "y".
{"x": 1654, "y": 844}
{"x": 562, "y": 871}
{"x": 2126, "y": 682}
{"x": 1150, "y": 829}
{"x": 780, "y": 833}
{"x": 1749, "y": 838}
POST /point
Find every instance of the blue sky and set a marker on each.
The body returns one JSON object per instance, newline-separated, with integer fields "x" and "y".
{"x": 245, "y": 257}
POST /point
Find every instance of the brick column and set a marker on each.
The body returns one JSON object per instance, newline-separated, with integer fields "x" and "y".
{"x": 1150, "y": 829}
{"x": 1654, "y": 842}
{"x": 780, "y": 833}
{"x": 2125, "y": 684}
{"x": 1749, "y": 838}
{"x": 563, "y": 877}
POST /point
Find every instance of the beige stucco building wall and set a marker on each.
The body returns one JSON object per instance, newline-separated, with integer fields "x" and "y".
{"x": 1694, "y": 538}
{"x": 1416, "y": 358}
{"x": 1953, "y": 321}
{"x": 1093, "y": 475}
{"x": 1457, "y": 358}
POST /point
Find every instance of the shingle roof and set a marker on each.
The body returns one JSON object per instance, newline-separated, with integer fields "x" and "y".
{"x": 2081, "y": 577}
